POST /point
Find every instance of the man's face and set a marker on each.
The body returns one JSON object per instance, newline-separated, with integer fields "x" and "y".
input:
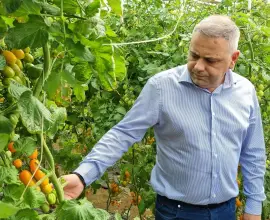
{"x": 209, "y": 59}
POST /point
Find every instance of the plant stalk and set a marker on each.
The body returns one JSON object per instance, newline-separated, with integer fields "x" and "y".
{"x": 46, "y": 71}
{"x": 54, "y": 179}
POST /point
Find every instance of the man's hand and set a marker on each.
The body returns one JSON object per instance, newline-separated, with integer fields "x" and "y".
{"x": 74, "y": 186}
{"x": 251, "y": 217}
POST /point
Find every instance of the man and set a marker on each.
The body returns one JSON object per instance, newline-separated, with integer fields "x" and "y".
{"x": 206, "y": 120}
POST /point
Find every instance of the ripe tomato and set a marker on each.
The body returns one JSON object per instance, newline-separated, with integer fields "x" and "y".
{"x": 18, "y": 163}
{"x": 18, "y": 53}
{"x": 25, "y": 176}
{"x": 238, "y": 202}
{"x": 127, "y": 174}
{"x": 9, "y": 56}
{"x": 33, "y": 165}
{"x": 39, "y": 175}
{"x": 11, "y": 147}
{"x": 34, "y": 154}
{"x": 47, "y": 189}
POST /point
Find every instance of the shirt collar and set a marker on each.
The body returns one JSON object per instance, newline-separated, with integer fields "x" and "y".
{"x": 185, "y": 77}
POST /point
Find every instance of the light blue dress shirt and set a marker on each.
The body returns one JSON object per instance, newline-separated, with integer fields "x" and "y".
{"x": 201, "y": 138}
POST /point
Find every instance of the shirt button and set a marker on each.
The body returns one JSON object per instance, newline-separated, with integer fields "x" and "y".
{"x": 179, "y": 206}
{"x": 213, "y": 114}
{"x": 215, "y": 175}
{"x": 215, "y": 155}
{"x": 214, "y": 133}
{"x": 214, "y": 195}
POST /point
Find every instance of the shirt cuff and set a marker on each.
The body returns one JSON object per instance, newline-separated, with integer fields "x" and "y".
{"x": 253, "y": 207}
{"x": 88, "y": 172}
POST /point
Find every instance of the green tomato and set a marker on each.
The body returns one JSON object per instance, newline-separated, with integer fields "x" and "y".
{"x": 6, "y": 81}
{"x": 45, "y": 208}
{"x": 16, "y": 69}
{"x": 18, "y": 79}
{"x": 8, "y": 72}
{"x": 8, "y": 154}
{"x": 130, "y": 102}
{"x": 125, "y": 86}
{"x": 261, "y": 87}
{"x": 28, "y": 58}
{"x": 51, "y": 198}
{"x": 260, "y": 93}
{"x": 14, "y": 119}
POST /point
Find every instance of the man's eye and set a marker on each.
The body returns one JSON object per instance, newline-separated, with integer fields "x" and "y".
{"x": 211, "y": 61}
{"x": 194, "y": 56}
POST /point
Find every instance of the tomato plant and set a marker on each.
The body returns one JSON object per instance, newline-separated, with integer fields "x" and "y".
{"x": 63, "y": 86}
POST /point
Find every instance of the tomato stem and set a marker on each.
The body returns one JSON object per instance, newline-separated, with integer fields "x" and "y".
{"x": 54, "y": 179}
{"x": 3, "y": 156}
{"x": 43, "y": 178}
{"x": 46, "y": 71}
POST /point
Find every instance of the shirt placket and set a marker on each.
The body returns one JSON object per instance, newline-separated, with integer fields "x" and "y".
{"x": 214, "y": 151}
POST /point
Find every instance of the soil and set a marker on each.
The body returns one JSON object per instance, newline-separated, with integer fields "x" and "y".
{"x": 121, "y": 203}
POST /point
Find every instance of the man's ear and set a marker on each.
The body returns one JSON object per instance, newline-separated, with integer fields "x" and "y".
{"x": 235, "y": 57}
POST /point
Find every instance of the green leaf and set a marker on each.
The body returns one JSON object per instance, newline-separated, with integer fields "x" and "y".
{"x": 50, "y": 9}
{"x": 33, "y": 34}
{"x": 6, "y": 126}
{"x": 92, "y": 8}
{"x": 13, "y": 191}
{"x": 2, "y": 62}
{"x": 53, "y": 83}
{"x": 266, "y": 31}
{"x": 16, "y": 89}
{"x": 120, "y": 67}
{"x": 3, "y": 28}
{"x": 142, "y": 207}
{"x": 117, "y": 216}
{"x": 33, "y": 112}
{"x": 8, "y": 175}
{"x": 79, "y": 51}
{"x": 12, "y": 5}
{"x": 34, "y": 198}
{"x": 79, "y": 92}
{"x": 116, "y": 6}
{"x": 59, "y": 115}
{"x": 7, "y": 210}
{"x": 82, "y": 72}
{"x": 27, "y": 7}
{"x": 4, "y": 138}
{"x": 70, "y": 6}
{"x": 25, "y": 215}
{"x": 25, "y": 145}
{"x": 121, "y": 110}
{"x": 103, "y": 67}
{"x": 80, "y": 210}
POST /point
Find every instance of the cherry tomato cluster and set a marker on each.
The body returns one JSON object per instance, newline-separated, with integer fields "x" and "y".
{"x": 135, "y": 199}
{"x": 30, "y": 173}
{"x": 16, "y": 59}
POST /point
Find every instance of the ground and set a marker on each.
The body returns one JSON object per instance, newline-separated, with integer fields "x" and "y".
{"x": 124, "y": 199}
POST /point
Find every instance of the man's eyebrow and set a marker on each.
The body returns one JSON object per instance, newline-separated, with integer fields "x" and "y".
{"x": 206, "y": 57}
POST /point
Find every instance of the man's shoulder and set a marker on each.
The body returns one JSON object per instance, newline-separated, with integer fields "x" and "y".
{"x": 238, "y": 79}
{"x": 172, "y": 74}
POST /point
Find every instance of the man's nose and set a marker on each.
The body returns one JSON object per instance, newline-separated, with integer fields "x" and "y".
{"x": 200, "y": 65}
